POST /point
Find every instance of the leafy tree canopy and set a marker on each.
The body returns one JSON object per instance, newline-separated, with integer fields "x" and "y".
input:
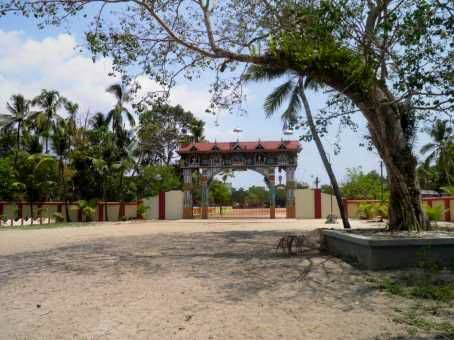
{"x": 360, "y": 185}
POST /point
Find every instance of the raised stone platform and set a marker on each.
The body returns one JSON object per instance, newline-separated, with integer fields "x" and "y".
{"x": 372, "y": 249}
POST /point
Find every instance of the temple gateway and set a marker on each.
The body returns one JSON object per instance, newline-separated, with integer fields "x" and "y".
{"x": 263, "y": 157}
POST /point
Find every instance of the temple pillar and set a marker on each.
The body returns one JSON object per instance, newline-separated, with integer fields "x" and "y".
{"x": 187, "y": 190}
{"x": 204, "y": 195}
{"x": 272, "y": 187}
{"x": 290, "y": 185}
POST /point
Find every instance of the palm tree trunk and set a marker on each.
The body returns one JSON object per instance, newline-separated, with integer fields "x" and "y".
{"x": 324, "y": 158}
{"x": 17, "y": 143}
{"x": 47, "y": 133}
{"x": 68, "y": 217}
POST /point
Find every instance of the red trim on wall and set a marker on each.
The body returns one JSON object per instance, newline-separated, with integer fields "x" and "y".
{"x": 20, "y": 212}
{"x": 162, "y": 205}
{"x": 317, "y": 203}
{"x": 139, "y": 202}
{"x": 40, "y": 214}
{"x": 100, "y": 212}
{"x": 122, "y": 210}
{"x": 447, "y": 211}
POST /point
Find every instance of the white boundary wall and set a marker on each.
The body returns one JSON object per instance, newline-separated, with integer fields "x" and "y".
{"x": 304, "y": 203}
{"x": 173, "y": 204}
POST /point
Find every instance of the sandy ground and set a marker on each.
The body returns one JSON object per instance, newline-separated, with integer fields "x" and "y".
{"x": 15, "y": 241}
{"x": 183, "y": 280}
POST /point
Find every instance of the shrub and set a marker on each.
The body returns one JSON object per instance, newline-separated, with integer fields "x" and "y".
{"x": 88, "y": 209}
{"x": 365, "y": 211}
{"x": 434, "y": 213}
{"x": 141, "y": 210}
{"x": 381, "y": 209}
{"x": 59, "y": 218}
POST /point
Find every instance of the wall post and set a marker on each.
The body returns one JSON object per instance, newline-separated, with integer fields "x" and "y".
{"x": 100, "y": 212}
{"x": 40, "y": 211}
{"x": 204, "y": 195}
{"x": 447, "y": 210}
{"x": 20, "y": 213}
{"x": 79, "y": 214}
{"x": 187, "y": 189}
{"x": 122, "y": 210}
{"x": 162, "y": 205}
{"x": 290, "y": 184}
{"x": 272, "y": 187}
{"x": 317, "y": 203}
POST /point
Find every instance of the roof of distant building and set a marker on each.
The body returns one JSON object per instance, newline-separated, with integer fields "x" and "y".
{"x": 227, "y": 147}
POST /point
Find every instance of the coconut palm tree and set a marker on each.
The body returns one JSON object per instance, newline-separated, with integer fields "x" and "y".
{"x": 61, "y": 144}
{"x": 293, "y": 91}
{"x": 99, "y": 122}
{"x": 72, "y": 109}
{"x": 49, "y": 102}
{"x": 116, "y": 114}
{"x": 19, "y": 110}
{"x": 196, "y": 127}
{"x": 441, "y": 148}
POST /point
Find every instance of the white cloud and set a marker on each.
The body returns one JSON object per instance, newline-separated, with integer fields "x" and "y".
{"x": 194, "y": 99}
{"x": 27, "y": 66}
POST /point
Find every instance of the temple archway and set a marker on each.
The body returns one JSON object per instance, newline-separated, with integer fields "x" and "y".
{"x": 263, "y": 157}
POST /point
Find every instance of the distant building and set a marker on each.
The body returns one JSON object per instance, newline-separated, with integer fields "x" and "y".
{"x": 430, "y": 193}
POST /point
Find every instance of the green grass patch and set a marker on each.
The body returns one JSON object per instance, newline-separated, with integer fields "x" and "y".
{"x": 411, "y": 318}
{"x": 419, "y": 286}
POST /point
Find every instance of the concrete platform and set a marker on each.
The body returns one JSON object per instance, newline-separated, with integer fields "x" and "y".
{"x": 390, "y": 251}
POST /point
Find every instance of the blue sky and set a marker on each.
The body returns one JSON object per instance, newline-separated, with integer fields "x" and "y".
{"x": 32, "y": 59}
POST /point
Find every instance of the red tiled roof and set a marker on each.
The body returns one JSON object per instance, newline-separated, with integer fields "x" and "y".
{"x": 292, "y": 145}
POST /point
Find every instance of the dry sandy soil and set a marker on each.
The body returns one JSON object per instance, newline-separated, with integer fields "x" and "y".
{"x": 184, "y": 280}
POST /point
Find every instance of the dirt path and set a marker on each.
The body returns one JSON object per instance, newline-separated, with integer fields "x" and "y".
{"x": 137, "y": 282}
{"x": 16, "y": 241}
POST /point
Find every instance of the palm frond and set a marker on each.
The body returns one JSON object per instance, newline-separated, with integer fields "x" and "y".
{"x": 290, "y": 115}
{"x": 311, "y": 84}
{"x": 427, "y": 148}
{"x": 263, "y": 73}
{"x": 130, "y": 117}
{"x": 430, "y": 158}
{"x": 6, "y": 118}
{"x": 110, "y": 115}
{"x": 275, "y": 99}
{"x": 116, "y": 90}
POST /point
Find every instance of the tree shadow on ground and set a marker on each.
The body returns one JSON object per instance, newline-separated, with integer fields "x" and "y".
{"x": 239, "y": 264}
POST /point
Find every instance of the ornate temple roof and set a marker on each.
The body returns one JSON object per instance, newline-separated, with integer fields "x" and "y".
{"x": 227, "y": 147}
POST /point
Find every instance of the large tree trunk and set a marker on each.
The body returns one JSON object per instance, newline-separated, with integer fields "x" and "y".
{"x": 325, "y": 160}
{"x": 388, "y": 122}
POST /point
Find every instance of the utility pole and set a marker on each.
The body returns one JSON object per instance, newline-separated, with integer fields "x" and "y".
{"x": 317, "y": 181}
